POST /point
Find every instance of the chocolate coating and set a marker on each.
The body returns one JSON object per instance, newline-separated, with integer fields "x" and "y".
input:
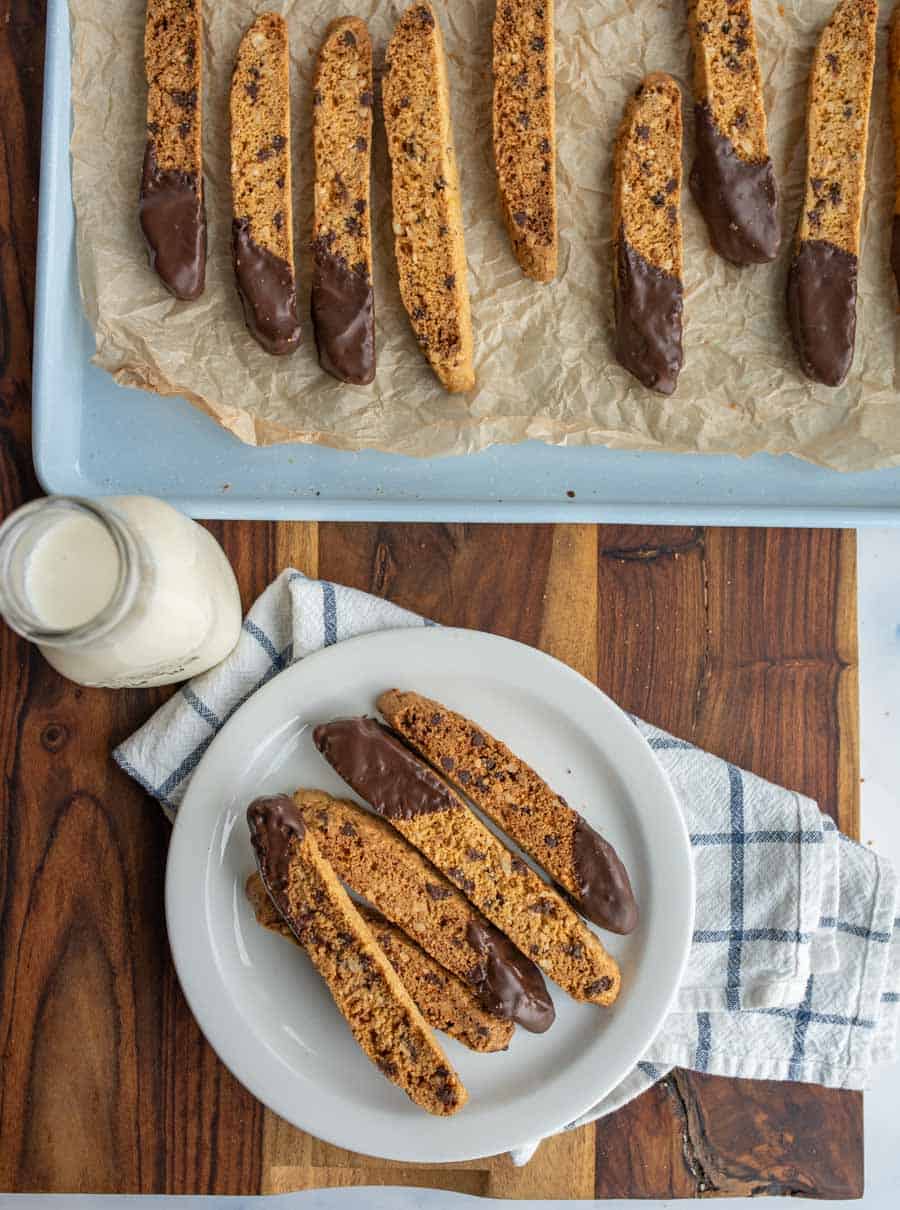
{"x": 343, "y": 313}
{"x": 381, "y": 769}
{"x": 274, "y": 822}
{"x": 173, "y": 220}
{"x": 738, "y": 198}
{"x": 509, "y": 985}
{"x": 604, "y": 888}
{"x": 821, "y": 301}
{"x": 649, "y": 307}
{"x": 268, "y": 294}
{"x": 895, "y": 249}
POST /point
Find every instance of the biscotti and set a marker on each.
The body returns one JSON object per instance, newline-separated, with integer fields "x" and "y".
{"x": 171, "y": 207}
{"x": 647, "y": 239}
{"x": 894, "y": 87}
{"x": 444, "y": 1001}
{"x": 732, "y": 178}
{"x": 262, "y": 241}
{"x": 822, "y": 279}
{"x": 524, "y": 113}
{"x": 508, "y": 790}
{"x": 427, "y": 214}
{"x": 431, "y": 816}
{"x": 343, "y": 311}
{"x": 386, "y": 870}
{"x": 375, "y": 1004}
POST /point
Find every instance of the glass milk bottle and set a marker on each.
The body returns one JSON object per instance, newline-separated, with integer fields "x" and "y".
{"x": 118, "y": 592}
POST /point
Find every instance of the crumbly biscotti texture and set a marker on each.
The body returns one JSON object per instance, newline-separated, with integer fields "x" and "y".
{"x": 837, "y": 123}
{"x": 727, "y": 75}
{"x": 444, "y": 1001}
{"x": 173, "y": 61}
{"x": 431, "y": 816}
{"x": 427, "y": 213}
{"x": 525, "y": 131}
{"x": 508, "y": 790}
{"x": 261, "y": 136}
{"x": 386, "y": 870}
{"x": 894, "y": 87}
{"x": 342, "y": 304}
{"x": 647, "y": 234}
{"x": 366, "y": 989}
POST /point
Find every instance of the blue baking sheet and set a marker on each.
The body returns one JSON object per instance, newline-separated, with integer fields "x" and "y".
{"x": 92, "y": 437}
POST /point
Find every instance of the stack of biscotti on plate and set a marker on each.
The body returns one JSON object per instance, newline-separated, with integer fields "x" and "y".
{"x": 461, "y": 925}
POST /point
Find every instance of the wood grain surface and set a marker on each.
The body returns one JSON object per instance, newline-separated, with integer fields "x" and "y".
{"x": 742, "y": 640}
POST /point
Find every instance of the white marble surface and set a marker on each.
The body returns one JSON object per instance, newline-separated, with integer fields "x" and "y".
{"x": 879, "y": 634}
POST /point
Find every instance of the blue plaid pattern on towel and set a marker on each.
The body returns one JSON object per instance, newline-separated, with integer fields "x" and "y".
{"x": 794, "y": 971}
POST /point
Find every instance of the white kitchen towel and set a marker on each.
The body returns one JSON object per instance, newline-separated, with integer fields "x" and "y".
{"x": 794, "y": 971}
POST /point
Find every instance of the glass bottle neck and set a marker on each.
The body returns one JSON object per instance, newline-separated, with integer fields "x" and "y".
{"x": 69, "y": 571}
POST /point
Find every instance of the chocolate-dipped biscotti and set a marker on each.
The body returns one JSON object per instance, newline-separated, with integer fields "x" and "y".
{"x": 382, "y": 867}
{"x": 525, "y": 131}
{"x": 647, "y": 239}
{"x": 343, "y": 311}
{"x": 821, "y": 294}
{"x": 425, "y": 810}
{"x": 444, "y": 1001}
{"x": 171, "y": 207}
{"x": 366, "y": 988}
{"x": 732, "y": 178}
{"x": 541, "y": 822}
{"x": 427, "y": 213}
{"x": 262, "y": 241}
{"x": 894, "y": 87}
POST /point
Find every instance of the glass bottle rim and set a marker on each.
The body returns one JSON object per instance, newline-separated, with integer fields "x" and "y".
{"x": 16, "y": 612}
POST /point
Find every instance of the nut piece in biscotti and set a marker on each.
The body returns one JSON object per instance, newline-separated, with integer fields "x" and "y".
{"x": 427, "y": 213}
{"x": 525, "y": 131}
{"x": 821, "y": 294}
{"x": 262, "y": 240}
{"x": 894, "y": 86}
{"x": 647, "y": 240}
{"x": 431, "y": 816}
{"x": 343, "y": 309}
{"x": 171, "y": 206}
{"x": 732, "y": 179}
{"x": 504, "y": 787}
{"x": 366, "y": 988}
{"x": 385, "y": 869}
{"x": 444, "y": 1001}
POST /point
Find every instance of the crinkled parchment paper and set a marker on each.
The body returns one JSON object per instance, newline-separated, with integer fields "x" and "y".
{"x": 543, "y": 353}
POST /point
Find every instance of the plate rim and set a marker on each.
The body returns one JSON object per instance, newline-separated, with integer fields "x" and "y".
{"x": 179, "y": 856}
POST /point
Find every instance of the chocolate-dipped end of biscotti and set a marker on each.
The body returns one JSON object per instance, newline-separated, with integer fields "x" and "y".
{"x": 604, "y": 888}
{"x": 274, "y": 823}
{"x": 343, "y": 314}
{"x": 737, "y": 198}
{"x": 895, "y": 253}
{"x": 266, "y": 285}
{"x": 398, "y": 785}
{"x": 649, "y": 308}
{"x": 821, "y": 301}
{"x": 173, "y": 220}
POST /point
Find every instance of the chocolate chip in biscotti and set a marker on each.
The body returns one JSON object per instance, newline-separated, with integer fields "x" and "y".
{"x": 647, "y": 238}
{"x": 584, "y": 865}
{"x": 378, "y": 864}
{"x": 444, "y": 1000}
{"x": 427, "y": 212}
{"x": 524, "y": 113}
{"x": 262, "y": 239}
{"x": 365, "y": 987}
{"x": 433, "y": 818}
{"x": 894, "y": 91}
{"x": 171, "y": 206}
{"x": 343, "y": 310}
{"x": 822, "y": 279}
{"x": 732, "y": 178}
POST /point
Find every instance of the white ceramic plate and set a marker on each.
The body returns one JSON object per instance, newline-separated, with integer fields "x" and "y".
{"x": 258, "y": 999}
